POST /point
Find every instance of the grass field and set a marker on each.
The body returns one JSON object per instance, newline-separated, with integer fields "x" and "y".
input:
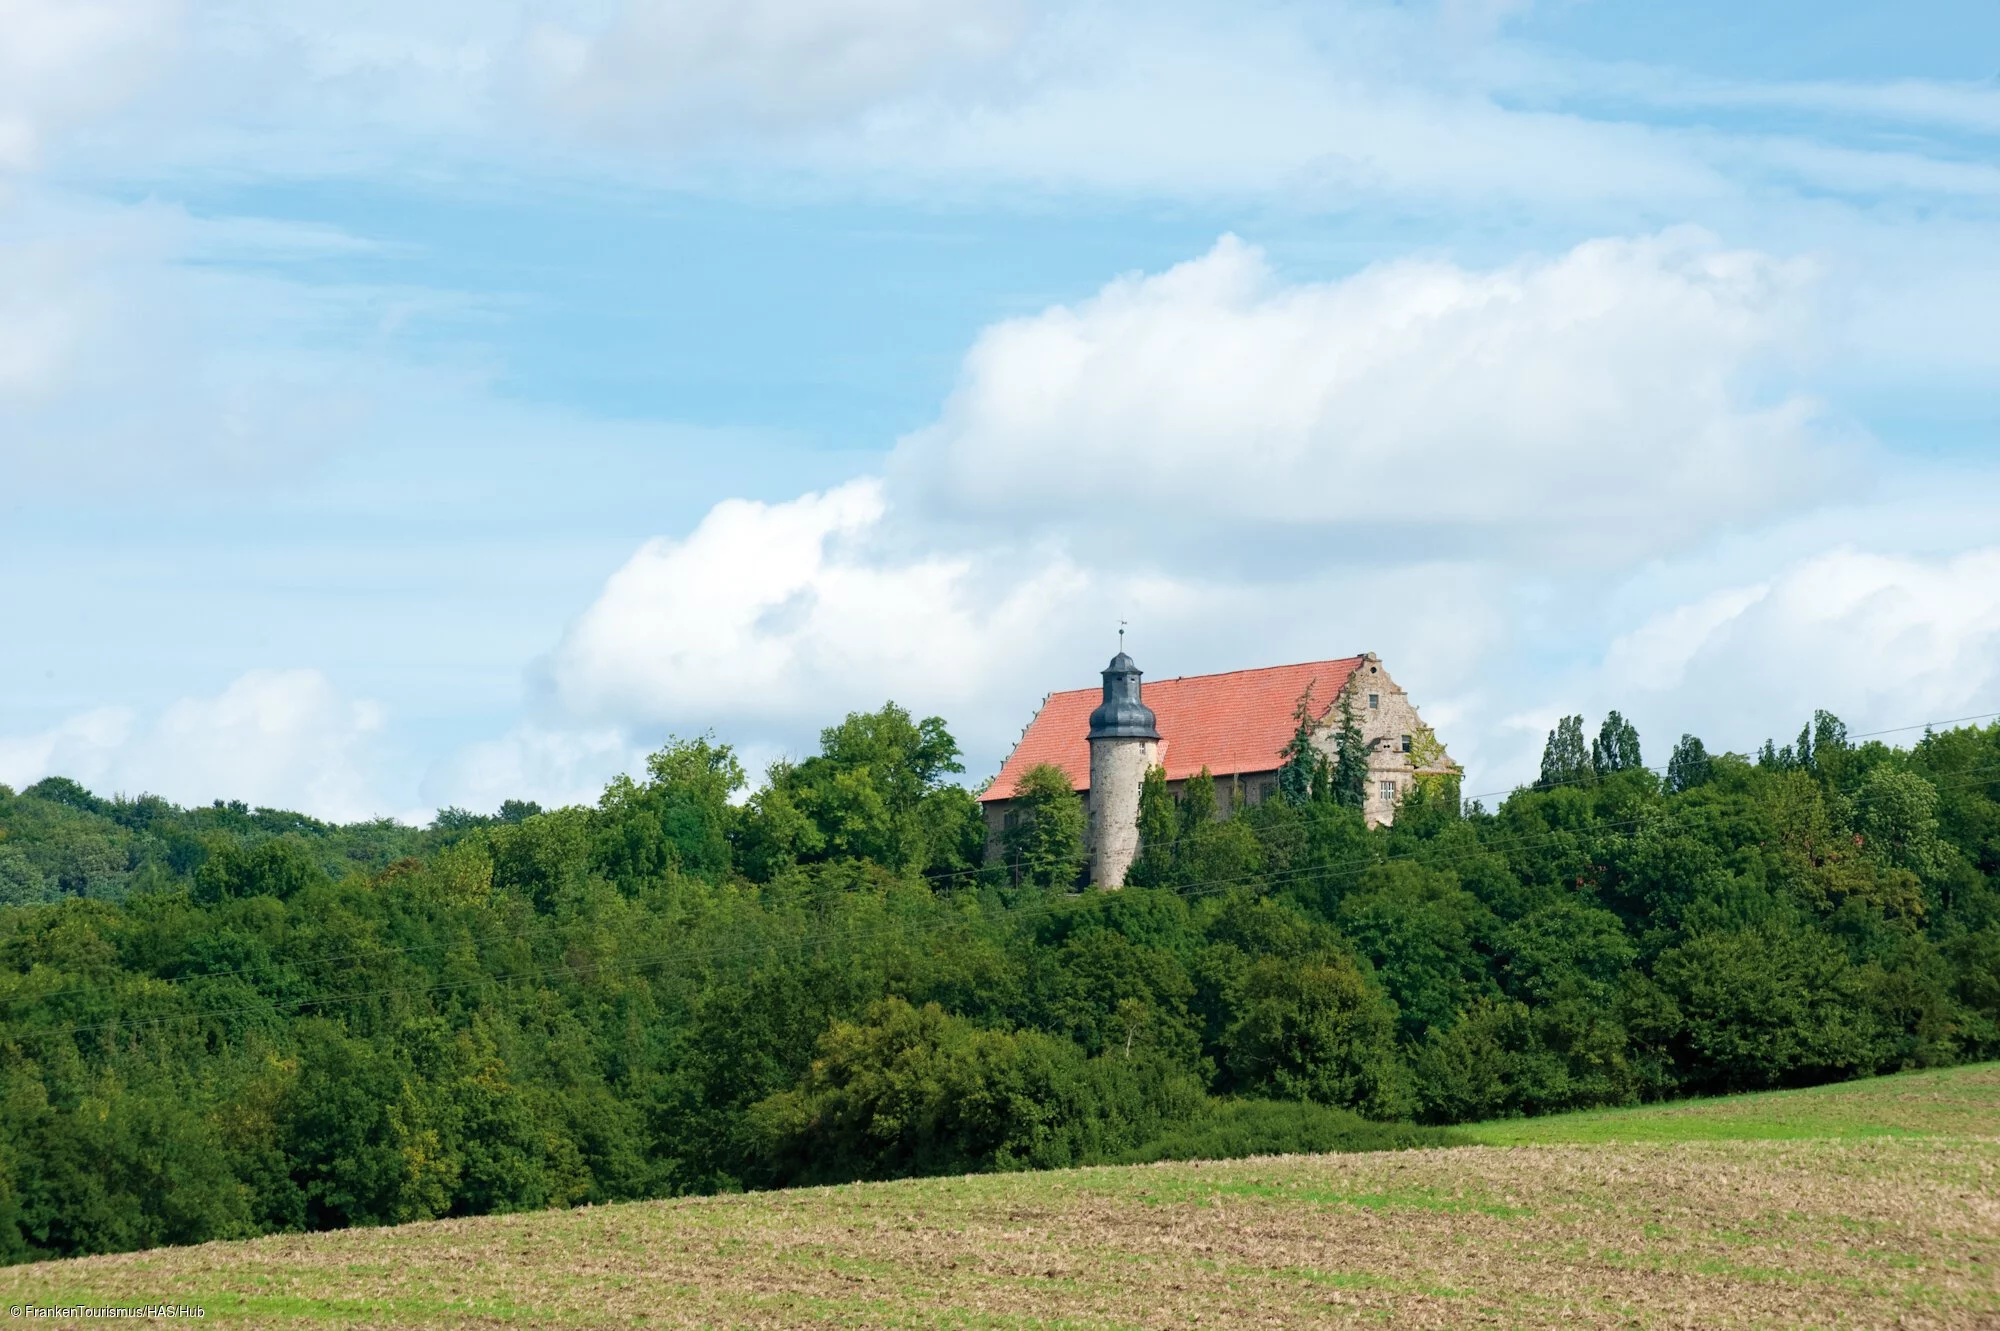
{"x": 1871, "y": 1204}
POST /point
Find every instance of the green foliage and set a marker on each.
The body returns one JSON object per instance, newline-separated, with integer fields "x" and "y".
{"x": 1302, "y": 759}
{"x": 1348, "y": 782}
{"x": 1045, "y": 846}
{"x": 1235, "y": 1129}
{"x": 1766, "y": 1005}
{"x": 1427, "y": 938}
{"x": 280, "y": 868}
{"x": 875, "y": 791}
{"x": 1565, "y": 759}
{"x": 1505, "y": 1059}
{"x": 679, "y": 820}
{"x": 1317, "y": 1029}
{"x": 1689, "y": 766}
{"x": 915, "y": 1091}
{"x": 1616, "y": 748}
{"x": 1898, "y": 819}
{"x": 1159, "y": 832}
{"x": 223, "y": 1021}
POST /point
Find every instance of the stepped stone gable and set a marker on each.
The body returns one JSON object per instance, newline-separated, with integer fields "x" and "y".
{"x": 1235, "y": 724}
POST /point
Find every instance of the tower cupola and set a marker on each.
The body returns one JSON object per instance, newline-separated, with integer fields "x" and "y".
{"x": 1122, "y": 715}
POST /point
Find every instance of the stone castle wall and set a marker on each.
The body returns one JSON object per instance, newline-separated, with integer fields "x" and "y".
{"x": 1118, "y": 769}
{"x": 1392, "y": 769}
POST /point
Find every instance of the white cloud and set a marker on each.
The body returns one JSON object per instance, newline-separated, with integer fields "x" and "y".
{"x": 1253, "y": 471}
{"x": 1881, "y": 639}
{"x": 1315, "y": 469}
{"x": 770, "y": 621}
{"x": 672, "y": 72}
{"x": 1331, "y": 106}
{"x": 552, "y": 765}
{"x": 66, "y": 62}
{"x": 1334, "y": 105}
{"x": 142, "y": 346}
{"x": 280, "y": 738}
{"x": 786, "y": 614}
{"x": 1613, "y": 400}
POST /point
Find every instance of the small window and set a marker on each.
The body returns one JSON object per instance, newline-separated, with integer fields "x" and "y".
{"x": 1388, "y": 792}
{"x": 1374, "y": 700}
{"x": 1406, "y": 744}
{"x": 1012, "y": 820}
{"x": 1266, "y": 790}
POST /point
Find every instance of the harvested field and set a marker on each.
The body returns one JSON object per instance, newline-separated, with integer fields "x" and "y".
{"x": 1757, "y": 1223}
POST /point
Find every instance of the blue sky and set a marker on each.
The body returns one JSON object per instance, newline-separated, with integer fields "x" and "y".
{"x": 410, "y": 405}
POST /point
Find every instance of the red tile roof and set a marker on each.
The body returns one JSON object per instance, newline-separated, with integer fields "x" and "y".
{"x": 1236, "y": 722}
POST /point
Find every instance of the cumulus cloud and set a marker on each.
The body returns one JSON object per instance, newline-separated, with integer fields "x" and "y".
{"x": 769, "y": 621}
{"x": 1207, "y": 451}
{"x": 1254, "y": 471}
{"x": 553, "y": 765}
{"x": 783, "y": 612}
{"x": 1881, "y": 639}
{"x": 281, "y": 738}
{"x": 1604, "y": 402}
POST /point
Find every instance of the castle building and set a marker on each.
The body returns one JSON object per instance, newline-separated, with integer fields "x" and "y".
{"x": 1236, "y": 725}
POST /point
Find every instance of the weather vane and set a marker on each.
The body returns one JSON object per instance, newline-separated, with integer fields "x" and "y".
{"x": 1121, "y": 635}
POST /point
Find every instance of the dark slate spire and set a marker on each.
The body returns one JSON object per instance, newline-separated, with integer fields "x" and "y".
{"x": 1122, "y": 715}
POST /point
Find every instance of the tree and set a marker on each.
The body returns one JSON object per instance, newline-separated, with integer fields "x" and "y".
{"x": 863, "y": 796}
{"x": 1690, "y": 765}
{"x": 281, "y": 867}
{"x": 1565, "y": 758}
{"x": 1045, "y": 845}
{"x": 1159, "y": 831}
{"x": 1898, "y": 821}
{"x": 1775, "y": 1004}
{"x": 680, "y": 820}
{"x": 1318, "y": 1030}
{"x": 1349, "y": 785}
{"x": 1197, "y": 802}
{"x": 1295, "y": 777}
{"x": 1425, "y": 936}
{"x": 1616, "y": 748}
{"x": 1822, "y": 739}
{"x": 912, "y": 1090}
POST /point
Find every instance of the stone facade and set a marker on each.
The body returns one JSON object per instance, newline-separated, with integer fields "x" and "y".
{"x": 1400, "y": 745}
{"x": 1118, "y": 768}
{"x": 1235, "y": 725}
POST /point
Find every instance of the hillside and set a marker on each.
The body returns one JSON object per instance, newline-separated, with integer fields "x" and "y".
{"x": 1874, "y": 1203}
{"x": 220, "y": 1022}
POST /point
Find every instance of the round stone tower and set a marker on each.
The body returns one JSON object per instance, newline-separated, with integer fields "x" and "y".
{"x": 1124, "y": 745}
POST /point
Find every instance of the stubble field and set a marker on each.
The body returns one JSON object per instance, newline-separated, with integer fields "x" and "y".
{"x": 1872, "y": 1204}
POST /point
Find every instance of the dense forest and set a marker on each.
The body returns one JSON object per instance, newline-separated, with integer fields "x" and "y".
{"x": 222, "y": 1021}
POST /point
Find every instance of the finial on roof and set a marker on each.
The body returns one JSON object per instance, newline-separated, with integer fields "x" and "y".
{"x": 1122, "y": 715}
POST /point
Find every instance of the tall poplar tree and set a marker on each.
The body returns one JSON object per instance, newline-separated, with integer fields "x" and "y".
{"x": 1616, "y": 748}
{"x": 1159, "y": 832}
{"x": 1565, "y": 758}
{"x": 1690, "y": 765}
